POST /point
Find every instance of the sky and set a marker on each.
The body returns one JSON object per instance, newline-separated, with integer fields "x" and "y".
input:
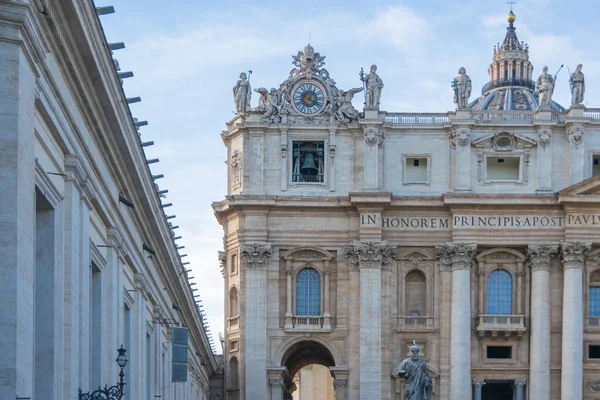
{"x": 186, "y": 56}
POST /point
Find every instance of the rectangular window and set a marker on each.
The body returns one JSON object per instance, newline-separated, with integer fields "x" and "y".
{"x": 233, "y": 264}
{"x": 594, "y": 301}
{"x": 595, "y": 164}
{"x": 503, "y": 169}
{"x": 233, "y": 345}
{"x": 416, "y": 170}
{"x": 499, "y": 352}
{"x": 415, "y": 314}
{"x": 308, "y": 162}
{"x": 594, "y": 352}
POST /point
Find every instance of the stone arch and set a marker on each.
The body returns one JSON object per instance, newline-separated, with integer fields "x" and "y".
{"x": 518, "y": 256}
{"x": 415, "y": 293}
{"x": 304, "y": 353}
{"x": 279, "y": 354}
{"x": 307, "y": 253}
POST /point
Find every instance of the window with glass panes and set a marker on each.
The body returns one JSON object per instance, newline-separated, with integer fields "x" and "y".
{"x": 308, "y": 293}
{"x": 499, "y": 293}
{"x": 594, "y": 301}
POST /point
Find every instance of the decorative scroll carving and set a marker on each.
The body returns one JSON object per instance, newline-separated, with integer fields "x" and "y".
{"x": 374, "y": 136}
{"x": 337, "y": 383}
{"x": 369, "y": 255}
{"x": 540, "y": 254}
{"x": 462, "y": 136}
{"x": 256, "y": 255}
{"x": 236, "y": 168}
{"x": 573, "y": 254}
{"x": 593, "y": 386}
{"x": 223, "y": 262}
{"x": 544, "y": 135}
{"x": 519, "y": 383}
{"x": 575, "y": 134}
{"x": 461, "y": 255}
{"x": 277, "y": 382}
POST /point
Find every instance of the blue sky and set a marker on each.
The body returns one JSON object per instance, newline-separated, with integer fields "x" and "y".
{"x": 187, "y": 55}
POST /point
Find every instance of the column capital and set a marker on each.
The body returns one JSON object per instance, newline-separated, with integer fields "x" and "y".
{"x": 540, "y": 254}
{"x": 256, "y": 255}
{"x": 369, "y": 254}
{"x": 337, "y": 383}
{"x": 573, "y": 254}
{"x": 459, "y": 254}
{"x": 520, "y": 382}
{"x": 478, "y": 382}
{"x": 277, "y": 382}
{"x": 442, "y": 253}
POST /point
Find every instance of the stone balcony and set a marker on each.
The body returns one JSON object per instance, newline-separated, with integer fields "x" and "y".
{"x": 592, "y": 324}
{"x": 503, "y": 324}
{"x": 308, "y": 324}
{"x": 415, "y": 324}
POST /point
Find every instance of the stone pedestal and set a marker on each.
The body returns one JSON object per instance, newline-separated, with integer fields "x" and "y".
{"x": 461, "y": 256}
{"x": 573, "y": 255}
{"x": 256, "y": 262}
{"x": 539, "y": 350}
{"x": 370, "y": 259}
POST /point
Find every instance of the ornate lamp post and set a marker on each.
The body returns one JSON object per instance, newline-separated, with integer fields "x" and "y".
{"x": 110, "y": 393}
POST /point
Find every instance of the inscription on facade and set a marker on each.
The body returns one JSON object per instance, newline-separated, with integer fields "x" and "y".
{"x": 479, "y": 221}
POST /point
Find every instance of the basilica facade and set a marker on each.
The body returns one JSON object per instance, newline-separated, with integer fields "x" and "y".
{"x": 350, "y": 235}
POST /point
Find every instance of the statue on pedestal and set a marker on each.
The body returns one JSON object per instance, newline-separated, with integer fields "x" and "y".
{"x": 418, "y": 384}
{"x": 462, "y": 89}
{"x": 544, "y": 87}
{"x": 577, "y": 83}
{"x": 374, "y": 84}
{"x": 242, "y": 93}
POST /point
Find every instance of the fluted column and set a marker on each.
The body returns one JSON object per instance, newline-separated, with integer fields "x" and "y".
{"x": 370, "y": 258}
{"x": 445, "y": 264}
{"x": 573, "y": 255}
{"x": 539, "y": 348}
{"x": 256, "y": 261}
{"x": 461, "y": 256}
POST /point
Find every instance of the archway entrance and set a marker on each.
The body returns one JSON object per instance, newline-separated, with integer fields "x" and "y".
{"x": 309, "y": 376}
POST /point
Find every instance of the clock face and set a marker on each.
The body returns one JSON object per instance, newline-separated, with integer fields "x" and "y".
{"x": 309, "y": 98}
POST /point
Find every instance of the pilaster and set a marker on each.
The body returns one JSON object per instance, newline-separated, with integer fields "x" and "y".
{"x": 544, "y": 159}
{"x": 460, "y": 138}
{"x": 573, "y": 255}
{"x": 539, "y": 369}
{"x": 575, "y": 154}
{"x": 256, "y": 257}
{"x": 445, "y": 266}
{"x": 370, "y": 258}
{"x": 373, "y": 162}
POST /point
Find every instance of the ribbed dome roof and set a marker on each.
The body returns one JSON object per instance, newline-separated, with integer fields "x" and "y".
{"x": 510, "y": 98}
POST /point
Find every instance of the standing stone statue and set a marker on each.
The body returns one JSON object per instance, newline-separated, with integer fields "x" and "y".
{"x": 544, "y": 87}
{"x": 462, "y": 89}
{"x": 374, "y": 85}
{"x": 242, "y": 93}
{"x": 577, "y": 82}
{"x": 418, "y": 384}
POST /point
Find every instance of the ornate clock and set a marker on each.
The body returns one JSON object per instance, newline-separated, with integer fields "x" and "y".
{"x": 308, "y": 98}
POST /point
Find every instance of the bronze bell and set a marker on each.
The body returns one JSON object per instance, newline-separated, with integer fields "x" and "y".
{"x": 308, "y": 166}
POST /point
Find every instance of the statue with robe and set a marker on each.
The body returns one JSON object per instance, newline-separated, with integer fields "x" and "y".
{"x": 242, "y": 93}
{"x": 418, "y": 385}
{"x": 577, "y": 83}
{"x": 462, "y": 89}
{"x": 544, "y": 87}
{"x": 374, "y": 84}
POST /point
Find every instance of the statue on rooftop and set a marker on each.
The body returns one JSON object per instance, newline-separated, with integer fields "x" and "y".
{"x": 418, "y": 384}
{"x": 577, "y": 83}
{"x": 269, "y": 104}
{"x": 462, "y": 89}
{"x": 242, "y": 93}
{"x": 374, "y": 84}
{"x": 342, "y": 105}
{"x": 544, "y": 87}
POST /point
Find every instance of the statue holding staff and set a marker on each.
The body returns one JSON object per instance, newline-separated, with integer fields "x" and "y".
{"x": 462, "y": 89}
{"x": 373, "y": 85}
{"x": 242, "y": 93}
{"x": 577, "y": 83}
{"x": 418, "y": 384}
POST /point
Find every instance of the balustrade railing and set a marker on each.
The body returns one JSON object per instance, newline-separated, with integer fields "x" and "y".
{"x": 233, "y": 322}
{"x": 409, "y": 322}
{"x": 525, "y": 116}
{"x": 417, "y": 118}
{"x": 310, "y": 322}
{"x": 593, "y": 113}
{"x": 501, "y": 322}
{"x": 592, "y": 321}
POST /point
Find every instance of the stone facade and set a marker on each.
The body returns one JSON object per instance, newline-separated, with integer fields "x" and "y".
{"x": 82, "y": 272}
{"x": 473, "y": 232}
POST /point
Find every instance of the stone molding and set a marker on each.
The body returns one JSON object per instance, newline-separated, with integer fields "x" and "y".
{"x": 575, "y": 134}
{"x": 460, "y": 136}
{"x": 442, "y": 253}
{"x": 544, "y": 136}
{"x": 337, "y": 383}
{"x": 460, "y": 255}
{"x": 573, "y": 254}
{"x": 277, "y": 382}
{"x": 256, "y": 255}
{"x": 540, "y": 255}
{"x": 141, "y": 283}
{"x": 369, "y": 254}
{"x": 374, "y": 136}
{"x": 520, "y": 382}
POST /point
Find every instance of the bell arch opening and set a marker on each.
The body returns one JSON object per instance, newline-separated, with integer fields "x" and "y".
{"x": 309, "y": 376}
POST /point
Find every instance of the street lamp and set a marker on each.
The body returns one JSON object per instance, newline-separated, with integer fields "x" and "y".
{"x": 115, "y": 392}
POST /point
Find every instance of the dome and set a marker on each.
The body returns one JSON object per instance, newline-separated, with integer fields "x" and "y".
{"x": 510, "y": 98}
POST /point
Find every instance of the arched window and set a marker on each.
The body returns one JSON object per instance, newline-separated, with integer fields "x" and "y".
{"x": 499, "y": 293}
{"x": 415, "y": 296}
{"x": 234, "y": 380}
{"x": 308, "y": 293}
{"x": 234, "y": 308}
{"x": 594, "y": 295}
